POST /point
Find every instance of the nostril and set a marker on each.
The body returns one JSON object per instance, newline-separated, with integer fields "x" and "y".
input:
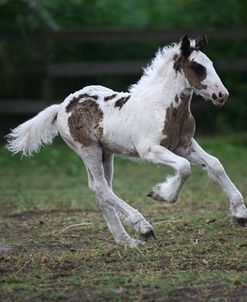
{"x": 220, "y": 95}
{"x": 214, "y": 96}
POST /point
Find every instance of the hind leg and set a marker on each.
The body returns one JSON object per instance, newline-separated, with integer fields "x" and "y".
{"x": 143, "y": 226}
{"x": 112, "y": 220}
{"x": 92, "y": 157}
{"x": 108, "y": 165}
{"x": 115, "y": 226}
{"x": 110, "y": 215}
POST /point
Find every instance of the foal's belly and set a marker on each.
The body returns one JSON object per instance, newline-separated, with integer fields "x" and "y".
{"x": 118, "y": 142}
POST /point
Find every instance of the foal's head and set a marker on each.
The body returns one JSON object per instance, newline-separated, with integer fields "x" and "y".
{"x": 199, "y": 71}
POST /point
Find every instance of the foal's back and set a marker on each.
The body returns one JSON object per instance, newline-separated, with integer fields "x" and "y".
{"x": 95, "y": 115}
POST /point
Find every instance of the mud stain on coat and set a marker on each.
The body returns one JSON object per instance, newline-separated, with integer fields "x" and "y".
{"x": 84, "y": 121}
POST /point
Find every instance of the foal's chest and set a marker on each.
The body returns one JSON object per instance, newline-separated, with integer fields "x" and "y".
{"x": 179, "y": 125}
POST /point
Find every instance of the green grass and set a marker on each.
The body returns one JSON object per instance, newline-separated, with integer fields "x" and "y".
{"x": 199, "y": 255}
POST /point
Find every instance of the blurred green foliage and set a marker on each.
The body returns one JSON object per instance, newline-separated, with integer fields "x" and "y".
{"x": 33, "y": 14}
{"x": 19, "y": 18}
{"x": 155, "y": 13}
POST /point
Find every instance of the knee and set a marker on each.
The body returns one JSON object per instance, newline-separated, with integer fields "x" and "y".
{"x": 215, "y": 166}
{"x": 184, "y": 168}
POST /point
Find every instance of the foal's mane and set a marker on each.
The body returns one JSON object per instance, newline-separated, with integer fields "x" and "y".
{"x": 162, "y": 57}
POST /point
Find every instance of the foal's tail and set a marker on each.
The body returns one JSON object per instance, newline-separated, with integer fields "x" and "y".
{"x": 30, "y": 136}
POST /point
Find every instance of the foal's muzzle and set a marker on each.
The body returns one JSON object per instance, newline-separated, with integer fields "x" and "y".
{"x": 220, "y": 98}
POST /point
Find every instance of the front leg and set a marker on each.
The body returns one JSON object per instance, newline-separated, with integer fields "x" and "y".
{"x": 160, "y": 156}
{"x": 195, "y": 154}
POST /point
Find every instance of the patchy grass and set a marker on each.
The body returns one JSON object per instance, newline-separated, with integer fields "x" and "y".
{"x": 198, "y": 255}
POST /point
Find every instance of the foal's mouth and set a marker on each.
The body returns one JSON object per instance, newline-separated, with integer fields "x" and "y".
{"x": 218, "y": 102}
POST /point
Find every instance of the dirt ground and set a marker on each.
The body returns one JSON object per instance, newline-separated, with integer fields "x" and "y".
{"x": 55, "y": 246}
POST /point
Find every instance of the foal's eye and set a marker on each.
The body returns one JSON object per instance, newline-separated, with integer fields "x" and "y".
{"x": 198, "y": 69}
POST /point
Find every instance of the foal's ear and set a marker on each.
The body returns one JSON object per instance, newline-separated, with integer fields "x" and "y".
{"x": 185, "y": 46}
{"x": 201, "y": 42}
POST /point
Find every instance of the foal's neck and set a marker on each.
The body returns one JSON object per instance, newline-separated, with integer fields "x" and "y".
{"x": 161, "y": 86}
{"x": 174, "y": 88}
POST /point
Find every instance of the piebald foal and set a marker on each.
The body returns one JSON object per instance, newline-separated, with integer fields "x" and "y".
{"x": 152, "y": 121}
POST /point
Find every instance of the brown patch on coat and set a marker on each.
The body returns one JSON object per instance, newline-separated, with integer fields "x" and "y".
{"x": 110, "y": 97}
{"x": 84, "y": 121}
{"x": 79, "y": 98}
{"x": 179, "y": 125}
{"x": 119, "y": 103}
{"x": 72, "y": 103}
{"x": 194, "y": 72}
{"x": 177, "y": 62}
{"x": 85, "y": 95}
{"x": 99, "y": 131}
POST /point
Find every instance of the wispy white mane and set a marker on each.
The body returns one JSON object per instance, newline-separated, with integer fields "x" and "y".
{"x": 159, "y": 62}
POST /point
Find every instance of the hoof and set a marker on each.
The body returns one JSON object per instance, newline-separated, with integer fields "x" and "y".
{"x": 149, "y": 235}
{"x": 132, "y": 243}
{"x": 240, "y": 221}
{"x": 159, "y": 198}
